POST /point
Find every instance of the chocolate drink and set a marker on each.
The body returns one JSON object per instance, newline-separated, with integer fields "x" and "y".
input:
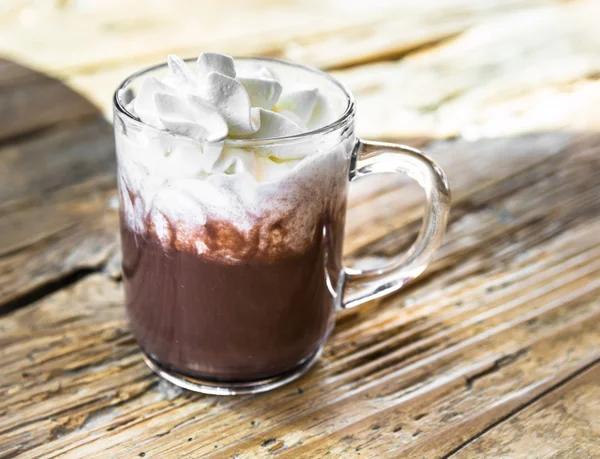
{"x": 232, "y": 217}
{"x": 244, "y": 297}
{"x": 231, "y": 321}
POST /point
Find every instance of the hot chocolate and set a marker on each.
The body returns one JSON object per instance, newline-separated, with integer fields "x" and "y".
{"x": 231, "y": 249}
{"x": 238, "y": 320}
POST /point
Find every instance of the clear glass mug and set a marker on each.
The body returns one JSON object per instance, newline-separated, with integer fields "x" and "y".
{"x": 237, "y": 293}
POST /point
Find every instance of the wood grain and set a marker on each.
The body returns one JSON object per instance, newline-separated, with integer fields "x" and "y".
{"x": 525, "y": 71}
{"x": 493, "y": 352}
{"x": 45, "y": 244}
{"x": 57, "y": 184}
{"x": 116, "y": 33}
{"x": 31, "y": 101}
{"x": 509, "y": 71}
{"x": 562, "y": 424}
{"x": 508, "y": 312}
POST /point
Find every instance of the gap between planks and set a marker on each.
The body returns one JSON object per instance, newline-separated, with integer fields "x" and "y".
{"x": 594, "y": 365}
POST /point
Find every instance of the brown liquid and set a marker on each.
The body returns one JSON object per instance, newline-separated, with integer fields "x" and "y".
{"x": 231, "y": 321}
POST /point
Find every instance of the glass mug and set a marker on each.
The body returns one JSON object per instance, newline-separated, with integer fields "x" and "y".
{"x": 232, "y": 284}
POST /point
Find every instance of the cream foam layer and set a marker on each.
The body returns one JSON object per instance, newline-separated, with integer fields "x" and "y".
{"x": 232, "y": 217}
{"x": 196, "y": 190}
{"x": 215, "y": 103}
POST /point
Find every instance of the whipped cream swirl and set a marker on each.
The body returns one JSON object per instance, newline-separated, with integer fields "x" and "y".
{"x": 215, "y": 103}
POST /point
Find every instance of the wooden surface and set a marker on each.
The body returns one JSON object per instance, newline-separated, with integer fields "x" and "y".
{"x": 493, "y": 352}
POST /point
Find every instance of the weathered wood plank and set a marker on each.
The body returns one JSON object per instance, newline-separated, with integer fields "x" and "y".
{"x": 31, "y": 101}
{"x": 398, "y": 202}
{"x": 509, "y": 310}
{"x": 116, "y": 33}
{"x": 526, "y": 71}
{"x": 57, "y": 206}
{"x": 44, "y": 244}
{"x": 39, "y": 166}
{"x": 561, "y": 424}
{"x": 57, "y": 182}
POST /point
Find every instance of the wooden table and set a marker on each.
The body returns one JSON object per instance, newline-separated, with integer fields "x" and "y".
{"x": 493, "y": 352}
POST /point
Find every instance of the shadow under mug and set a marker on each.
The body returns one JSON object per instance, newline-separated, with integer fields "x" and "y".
{"x": 221, "y": 307}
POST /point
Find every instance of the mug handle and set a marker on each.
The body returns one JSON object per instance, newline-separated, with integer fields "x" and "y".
{"x": 360, "y": 286}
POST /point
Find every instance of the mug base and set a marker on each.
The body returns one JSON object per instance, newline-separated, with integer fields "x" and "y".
{"x": 234, "y": 387}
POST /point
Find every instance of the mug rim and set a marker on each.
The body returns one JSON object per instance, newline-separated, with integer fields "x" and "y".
{"x": 339, "y": 122}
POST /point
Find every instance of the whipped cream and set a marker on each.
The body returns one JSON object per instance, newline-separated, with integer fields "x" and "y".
{"x": 189, "y": 181}
{"x": 215, "y": 103}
